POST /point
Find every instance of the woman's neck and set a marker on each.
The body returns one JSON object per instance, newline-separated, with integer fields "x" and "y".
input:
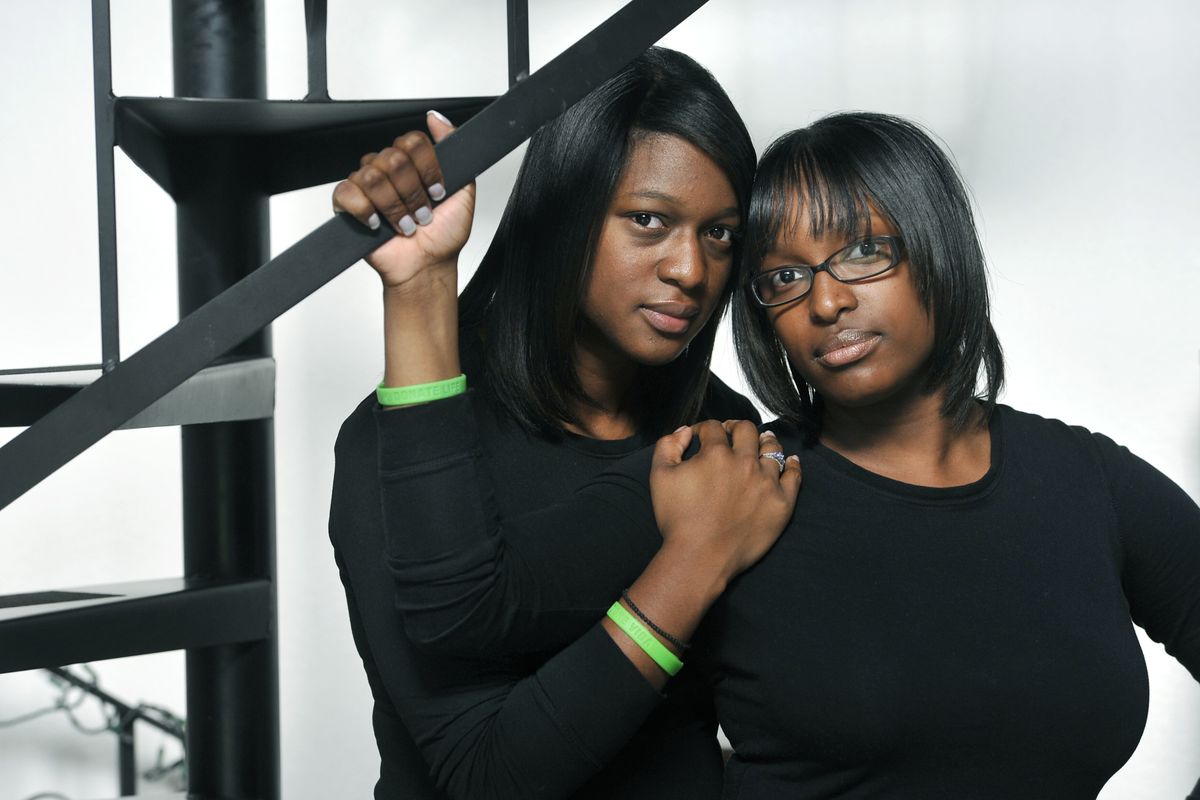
{"x": 910, "y": 440}
{"x": 609, "y": 407}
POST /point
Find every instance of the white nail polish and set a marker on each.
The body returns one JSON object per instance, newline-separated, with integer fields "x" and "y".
{"x": 437, "y": 192}
{"x": 407, "y": 226}
{"x": 439, "y": 115}
{"x": 373, "y": 222}
{"x": 424, "y": 215}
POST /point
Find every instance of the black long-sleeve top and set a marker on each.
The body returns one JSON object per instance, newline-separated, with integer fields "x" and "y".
{"x": 898, "y": 641}
{"x": 554, "y": 711}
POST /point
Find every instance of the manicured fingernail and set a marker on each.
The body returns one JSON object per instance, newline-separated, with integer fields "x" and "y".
{"x": 373, "y": 222}
{"x": 796, "y": 459}
{"x": 440, "y": 116}
{"x": 681, "y": 428}
{"x": 407, "y": 226}
{"x": 424, "y": 215}
{"x": 437, "y": 192}
{"x": 764, "y": 435}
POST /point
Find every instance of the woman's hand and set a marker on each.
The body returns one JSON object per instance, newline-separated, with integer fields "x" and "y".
{"x": 725, "y": 506}
{"x": 419, "y": 267}
{"x": 719, "y": 512}
{"x": 398, "y": 186}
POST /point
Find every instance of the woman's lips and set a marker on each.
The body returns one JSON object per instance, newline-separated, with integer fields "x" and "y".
{"x": 846, "y": 347}
{"x": 671, "y": 319}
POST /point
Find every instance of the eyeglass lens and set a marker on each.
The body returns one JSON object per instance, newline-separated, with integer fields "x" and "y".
{"x": 857, "y": 261}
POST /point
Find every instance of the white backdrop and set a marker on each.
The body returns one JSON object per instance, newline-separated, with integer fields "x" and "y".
{"x": 1074, "y": 123}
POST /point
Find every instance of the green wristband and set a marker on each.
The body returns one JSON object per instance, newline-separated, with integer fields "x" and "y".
{"x": 644, "y": 639}
{"x": 421, "y": 392}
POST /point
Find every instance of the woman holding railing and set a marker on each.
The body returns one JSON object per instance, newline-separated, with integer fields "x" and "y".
{"x": 584, "y": 335}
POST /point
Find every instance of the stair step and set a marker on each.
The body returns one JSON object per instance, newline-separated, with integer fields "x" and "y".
{"x": 49, "y": 629}
{"x": 236, "y": 390}
{"x": 286, "y": 144}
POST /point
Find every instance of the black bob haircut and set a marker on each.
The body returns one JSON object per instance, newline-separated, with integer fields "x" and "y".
{"x": 825, "y": 176}
{"x": 524, "y": 301}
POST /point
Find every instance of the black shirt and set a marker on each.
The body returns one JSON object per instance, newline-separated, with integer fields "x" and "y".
{"x": 492, "y": 714}
{"x": 902, "y": 641}
{"x": 967, "y": 642}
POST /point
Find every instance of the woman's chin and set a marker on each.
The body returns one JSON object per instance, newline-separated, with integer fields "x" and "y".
{"x": 659, "y": 354}
{"x": 867, "y": 395}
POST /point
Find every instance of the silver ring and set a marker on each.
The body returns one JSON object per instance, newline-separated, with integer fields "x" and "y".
{"x": 778, "y": 458}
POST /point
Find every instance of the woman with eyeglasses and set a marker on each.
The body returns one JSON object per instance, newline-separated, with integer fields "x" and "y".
{"x": 951, "y": 611}
{"x": 956, "y": 618}
{"x": 585, "y": 334}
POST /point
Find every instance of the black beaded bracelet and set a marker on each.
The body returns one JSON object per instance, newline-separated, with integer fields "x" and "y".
{"x": 650, "y": 623}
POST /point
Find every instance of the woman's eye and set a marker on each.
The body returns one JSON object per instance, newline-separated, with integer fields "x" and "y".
{"x": 784, "y": 277}
{"x": 722, "y": 234}
{"x": 867, "y": 249}
{"x": 646, "y": 220}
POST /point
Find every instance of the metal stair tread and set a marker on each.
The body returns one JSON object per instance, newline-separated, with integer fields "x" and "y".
{"x": 286, "y": 144}
{"x": 133, "y": 618}
{"x": 234, "y": 390}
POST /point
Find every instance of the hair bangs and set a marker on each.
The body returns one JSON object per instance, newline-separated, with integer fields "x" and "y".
{"x": 802, "y": 188}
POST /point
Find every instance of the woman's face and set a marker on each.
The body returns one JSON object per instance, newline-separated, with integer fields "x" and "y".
{"x": 664, "y": 253}
{"x": 857, "y": 344}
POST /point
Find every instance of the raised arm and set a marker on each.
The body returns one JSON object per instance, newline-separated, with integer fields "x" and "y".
{"x": 398, "y": 186}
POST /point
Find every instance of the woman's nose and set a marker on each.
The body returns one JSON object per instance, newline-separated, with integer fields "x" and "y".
{"x": 829, "y": 298}
{"x": 685, "y": 266}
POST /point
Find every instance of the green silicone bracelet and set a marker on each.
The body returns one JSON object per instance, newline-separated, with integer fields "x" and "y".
{"x": 421, "y": 392}
{"x": 644, "y": 639}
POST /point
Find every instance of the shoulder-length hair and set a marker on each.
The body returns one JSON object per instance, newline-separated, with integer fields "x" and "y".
{"x": 524, "y": 301}
{"x": 839, "y": 166}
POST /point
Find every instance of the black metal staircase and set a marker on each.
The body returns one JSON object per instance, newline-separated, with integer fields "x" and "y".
{"x": 220, "y": 149}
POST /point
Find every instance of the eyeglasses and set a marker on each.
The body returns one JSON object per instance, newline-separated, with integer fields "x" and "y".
{"x": 864, "y": 259}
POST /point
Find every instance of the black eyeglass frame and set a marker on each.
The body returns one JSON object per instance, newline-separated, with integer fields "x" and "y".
{"x": 824, "y": 266}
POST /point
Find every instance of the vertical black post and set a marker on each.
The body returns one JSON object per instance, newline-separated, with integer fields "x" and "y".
{"x": 228, "y": 473}
{"x": 315, "y": 15}
{"x": 106, "y": 198}
{"x": 518, "y": 41}
{"x": 126, "y": 756}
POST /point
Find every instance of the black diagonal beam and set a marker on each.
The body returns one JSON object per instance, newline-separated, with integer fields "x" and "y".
{"x": 259, "y": 298}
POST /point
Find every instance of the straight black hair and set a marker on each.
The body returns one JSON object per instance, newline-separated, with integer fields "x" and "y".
{"x": 825, "y": 176}
{"x": 524, "y": 301}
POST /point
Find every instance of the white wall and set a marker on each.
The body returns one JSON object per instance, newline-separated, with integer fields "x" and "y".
{"x": 1074, "y": 122}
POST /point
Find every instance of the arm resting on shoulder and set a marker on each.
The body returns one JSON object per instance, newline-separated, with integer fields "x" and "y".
{"x": 487, "y": 726}
{"x": 468, "y": 582}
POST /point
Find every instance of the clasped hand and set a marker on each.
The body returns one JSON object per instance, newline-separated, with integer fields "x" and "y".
{"x": 729, "y": 502}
